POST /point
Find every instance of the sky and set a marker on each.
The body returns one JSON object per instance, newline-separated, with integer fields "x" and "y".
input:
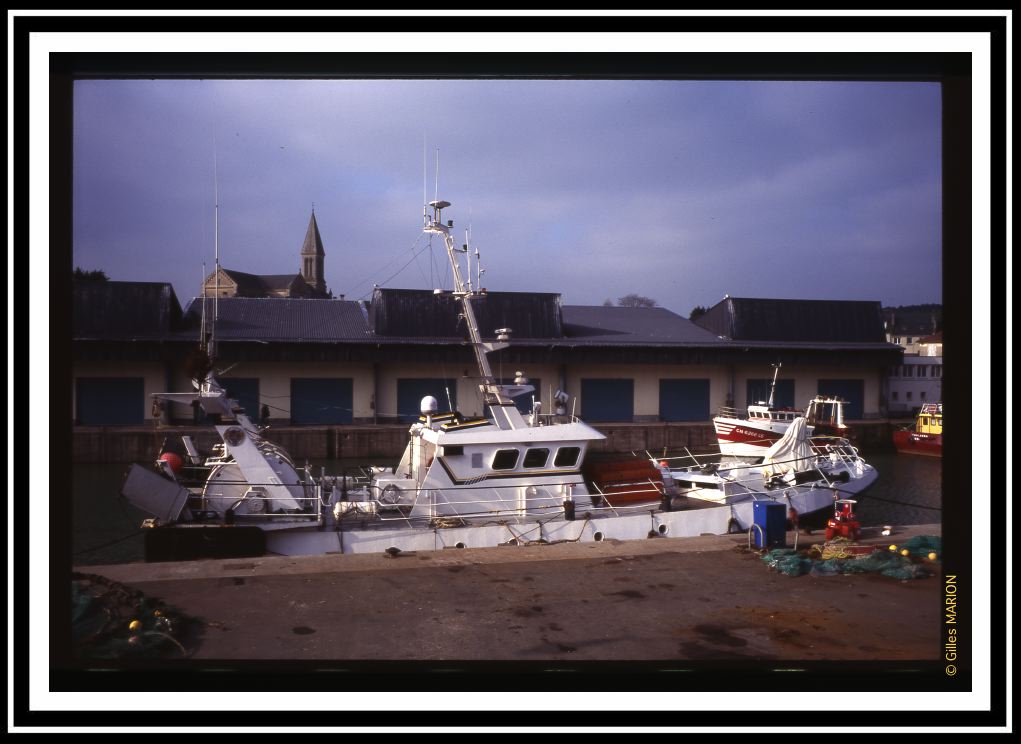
{"x": 681, "y": 191}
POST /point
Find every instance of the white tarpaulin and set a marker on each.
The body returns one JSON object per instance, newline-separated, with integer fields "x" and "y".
{"x": 791, "y": 453}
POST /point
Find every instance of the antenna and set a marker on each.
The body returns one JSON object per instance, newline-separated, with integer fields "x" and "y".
{"x": 425, "y": 183}
{"x": 202, "y": 325}
{"x": 216, "y": 245}
{"x": 436, "y": 194}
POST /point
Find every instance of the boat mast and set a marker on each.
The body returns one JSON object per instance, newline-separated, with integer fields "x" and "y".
{"x": 772, "y": 389}
{"x": 505, "y": 413}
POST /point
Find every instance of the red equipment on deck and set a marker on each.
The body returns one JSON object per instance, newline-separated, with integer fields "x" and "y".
{"x": 843, "y": 523}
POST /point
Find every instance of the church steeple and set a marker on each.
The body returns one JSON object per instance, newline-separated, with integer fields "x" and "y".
{"x": 313, "y": 256}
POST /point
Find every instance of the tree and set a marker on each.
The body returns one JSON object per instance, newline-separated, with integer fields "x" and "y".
{"x": 697, "y": 312}
{"x": 635, "y": 300}
{"x": 607, "y": 302}
{"x": 96, "y": 275}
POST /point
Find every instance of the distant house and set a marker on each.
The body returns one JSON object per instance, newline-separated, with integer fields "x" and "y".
{"x": 308, "y": 283}
{"x": 919, "y": 379}
{"x": 906, "y": 327}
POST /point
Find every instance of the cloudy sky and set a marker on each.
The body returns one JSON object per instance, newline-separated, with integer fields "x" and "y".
{"x": 682, "y": 191}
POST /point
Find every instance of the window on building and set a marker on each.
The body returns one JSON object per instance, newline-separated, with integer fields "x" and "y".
{"x": 922, "y": 395}
{"x": 895, "y": 395}
{"x": 909, "y": 370}
{"x": 921, "y": 370}
{"x": 937, "y": 371}
{"x": 909, "y": 339}
{"x": 910, "y": 394}
{"x": 895, "y": 372}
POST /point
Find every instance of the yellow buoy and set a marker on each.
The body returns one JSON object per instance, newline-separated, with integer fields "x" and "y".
{"x": 932, "y": 556}
{"x": 134, "y": 625}
{"x": 905, "y": 552}
{"x": 893, "y": 548}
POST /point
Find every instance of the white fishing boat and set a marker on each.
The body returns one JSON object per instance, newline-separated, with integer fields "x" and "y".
{"x": 509, "y": 479}
{"x": 806, "y": 474}
{"x": 751, "y": 434}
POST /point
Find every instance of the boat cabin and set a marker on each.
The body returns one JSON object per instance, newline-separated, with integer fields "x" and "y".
{"x": 930, "y": 419}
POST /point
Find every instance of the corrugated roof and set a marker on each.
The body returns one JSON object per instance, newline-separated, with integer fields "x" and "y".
{"x": 284, "y": 319}
{"x": 124, "y": 310}
{"x": 604, "y": 325}
{"x": 828, "y": 321}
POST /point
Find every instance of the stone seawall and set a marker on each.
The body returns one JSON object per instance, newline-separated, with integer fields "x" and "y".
{"x": 92, "y": 444}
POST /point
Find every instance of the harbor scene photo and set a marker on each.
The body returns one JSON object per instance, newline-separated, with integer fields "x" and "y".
{"x": 535, "y": 379}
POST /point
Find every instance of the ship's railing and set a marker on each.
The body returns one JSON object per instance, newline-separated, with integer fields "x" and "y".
{"x": 729, "y": 412}
{"x": 472, "y": 504}
{"x": 546, "y": 419}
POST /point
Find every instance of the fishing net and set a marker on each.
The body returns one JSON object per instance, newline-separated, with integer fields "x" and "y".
{"x": 112, "y": 621}
{"x": 842, "y": 557}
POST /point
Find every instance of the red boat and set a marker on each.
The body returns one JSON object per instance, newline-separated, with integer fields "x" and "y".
{"x": 926, "y": 437}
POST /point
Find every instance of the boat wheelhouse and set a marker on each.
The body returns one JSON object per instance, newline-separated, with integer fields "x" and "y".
{"x": 926, "y": 436}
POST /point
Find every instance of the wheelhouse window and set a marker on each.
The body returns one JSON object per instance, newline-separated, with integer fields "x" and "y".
{"x": 505, "y": 459}
{"x": 566, "y": 457}
{"x": 452, "y": 450}
{"x": 536, "y": 458}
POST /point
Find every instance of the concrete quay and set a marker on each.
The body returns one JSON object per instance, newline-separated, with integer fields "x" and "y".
{"x": 662, "y": 599}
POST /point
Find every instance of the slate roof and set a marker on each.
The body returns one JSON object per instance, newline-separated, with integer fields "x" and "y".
{"x": 419, "y": 317}
{"x": 419, "y": 313}
{"x": 633, "y": 326}
{"x": 124, "y": 310}
{"x": 796, "y": 322}
{"x": 910, "y": 322}
{"x": 284, "y": 319}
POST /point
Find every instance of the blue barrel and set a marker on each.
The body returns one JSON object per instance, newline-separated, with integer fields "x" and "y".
{"x": 771, "y": 519}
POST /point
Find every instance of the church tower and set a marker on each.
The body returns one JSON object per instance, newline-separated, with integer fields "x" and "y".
{"x": 313, "y": 256}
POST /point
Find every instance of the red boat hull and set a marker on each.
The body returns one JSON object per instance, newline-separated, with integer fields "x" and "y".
{"x": 913, "y": 443}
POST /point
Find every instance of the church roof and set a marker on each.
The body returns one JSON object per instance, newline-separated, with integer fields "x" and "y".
{"x": 313, "y": 244}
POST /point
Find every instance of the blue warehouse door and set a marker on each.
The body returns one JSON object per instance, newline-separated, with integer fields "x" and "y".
{"x": 110, "y": 401}
{"x": 608, "y": 400}
{"x": 411, "y": 390}
{"x": 245, "y": 390}
{"x": 783, "y": 398}
{"x": 325, "y": 400}
{"x": 852, "y": 391}
{"x": 684, "y": 400}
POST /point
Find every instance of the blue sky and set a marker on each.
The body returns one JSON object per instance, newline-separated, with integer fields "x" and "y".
{"x": 682, "y": 191}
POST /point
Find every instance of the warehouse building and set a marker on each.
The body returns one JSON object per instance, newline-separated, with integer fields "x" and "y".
{"x": 300, "y": 362}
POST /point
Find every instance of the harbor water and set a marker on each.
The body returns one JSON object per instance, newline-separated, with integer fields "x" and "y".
{"x": 105, "y": 527}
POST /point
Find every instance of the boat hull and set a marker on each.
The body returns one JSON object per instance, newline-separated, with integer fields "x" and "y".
{"x": 740, "y": 438}
{"x": 914, "y": 443}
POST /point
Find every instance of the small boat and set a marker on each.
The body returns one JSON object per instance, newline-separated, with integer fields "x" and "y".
{"x": 751, "y": 434}
{"x": 806, "y": 473}
{"x": 511, "y": 478}
{"x": 926, "y": 436}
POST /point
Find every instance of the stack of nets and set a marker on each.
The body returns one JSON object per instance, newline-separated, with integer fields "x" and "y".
{"x": 840, "y": 557}
{"x": 112, "y": 621}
